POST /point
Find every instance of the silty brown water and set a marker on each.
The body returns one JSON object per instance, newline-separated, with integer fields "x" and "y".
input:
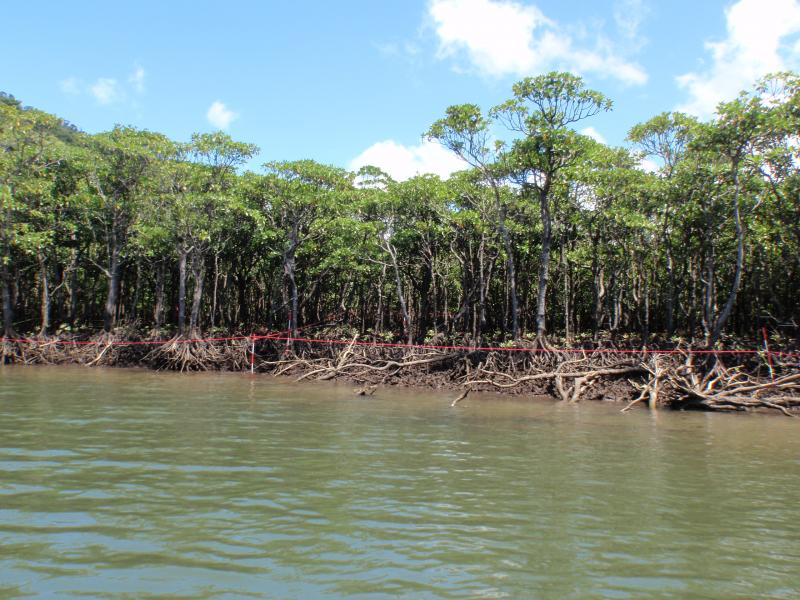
{"x": 127, "y": 483}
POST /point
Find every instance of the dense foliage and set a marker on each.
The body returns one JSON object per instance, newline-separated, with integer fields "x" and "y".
{"x": 547, "y": 234}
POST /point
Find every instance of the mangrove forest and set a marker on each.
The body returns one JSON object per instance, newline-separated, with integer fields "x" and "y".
{"x": 687, "y": 238}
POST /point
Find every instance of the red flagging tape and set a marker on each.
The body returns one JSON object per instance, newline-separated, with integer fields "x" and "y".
{"x": 281, "y": 336}
{"x": 122, "y": 342}
{"x": 516, "y": 349}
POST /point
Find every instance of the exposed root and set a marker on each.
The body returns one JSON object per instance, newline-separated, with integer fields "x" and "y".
{"x": 461, "y": 397}
{"x": 10, "y": 352}
{"x": 191, "y": 354}
{"x": 720, "y": 388}
{"x": 681, "y": 381}
{"x": 642, "y": 395}
{"x": 367, "y": 390}
{"x": 580, "y": 377}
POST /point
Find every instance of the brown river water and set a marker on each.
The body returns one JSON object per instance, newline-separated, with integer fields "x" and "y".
{"x": 122, "y": 483}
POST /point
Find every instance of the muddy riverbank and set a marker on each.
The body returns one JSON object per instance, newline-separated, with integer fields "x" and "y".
{"x": 676, "y": 378}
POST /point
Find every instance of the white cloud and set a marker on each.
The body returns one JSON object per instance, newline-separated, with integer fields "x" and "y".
{"x": 406, "y": 49}
{"x": 649, "y": 166}
{"x": 220, "y": 116}
{"x": 496, "y": 35}
{"x": 136, "y": 79}
{"x": 70, "y": 86}
{"x": 594, "y": 134}
{"x": 106, "y": 91}
{"x": 403, "y": 162}
{"x": 628, "y": 17}
{"x": 503, "y": 37}
{"x": 755, "y": 45}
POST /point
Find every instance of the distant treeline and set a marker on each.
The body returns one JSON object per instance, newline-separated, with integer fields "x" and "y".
{"x": 547, "y": 234}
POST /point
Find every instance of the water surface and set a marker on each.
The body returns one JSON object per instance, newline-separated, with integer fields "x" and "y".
{"x": 133, "y": 484}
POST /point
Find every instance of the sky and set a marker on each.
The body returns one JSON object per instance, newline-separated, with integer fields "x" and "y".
{"x": 358, "y": 82}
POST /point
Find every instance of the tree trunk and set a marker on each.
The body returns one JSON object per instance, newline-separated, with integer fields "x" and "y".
{"x": 379, "y": 309}
{"x": 737, "y": 275}
{"x": 114, "y": 275}
{"x": 182, "y": 256}
{"x": 482, "y": 290}
{"x": 670, "y": 288}
{"x": 198, "y": 273}
{"x": 510, "y": 266}
{"x": 693, "y": 269}
{"x": 216, "y": 288}
{"x": 708, "y": 297}
{"x": 45, "y": 294}
{"x": 289, "y": 266}
{"x": 425, "y": 302}
{"x": 136, "y": 292}
{"x": 5, "y": 260}
{"x": 72, "y": 312}
{"x": 544, "y": 264}
{"x": 646, "y": 309}
{"x": 158, "y": 311}
{"x": 409, "y": 334}
{"x": 58, "y": 301}
{"x": 241, "y": 293}
{"x": 567, "y": 298}
{"x": 8, "y": 305}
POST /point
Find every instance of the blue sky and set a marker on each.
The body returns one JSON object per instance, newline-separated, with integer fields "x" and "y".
{"x": 359, "y": 81}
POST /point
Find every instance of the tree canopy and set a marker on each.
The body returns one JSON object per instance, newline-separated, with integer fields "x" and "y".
{"x": 546, "y": 234}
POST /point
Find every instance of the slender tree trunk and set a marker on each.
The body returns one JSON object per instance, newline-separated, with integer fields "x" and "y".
{"x": 379, "y": 309}
{"x": 295, "y": 314}
{"x": 114, "y": 276}
{"x": 599, "y": 300}
{"x": 45, "y": 294}
{"x": 615, "y": 316}
{"x": 158, "y": 311}
{"x": 198, "y": 274}
{"x": 737, "y": 275}
{"x": 446, "y": 303}
{"x": 8, "y": 305}
{"x": 693, "y": 268}
{"x": 434, "y": 298}
{"x": 708, "y": 297}
{"x": 646, "y": 310}
{"x": 407, "y": 330}
{"x": 544, "y": 264}
{"x": 136, "y": 292}
{"x": 289, "y": 265}
{"x": 510, "y": 266}
{"x": 598, "y": 287}
{"x": 641, "y": 294}
{"x": 59, "y": 304}
{"x": 567, "y": 297}
{"x": 241, "y": 291}
{"x": 72, "y": 312}
{"x": 5, "y": 260}
{"x": 182, "y": 256}
{"x": 216, "y": 287}
{"x": 464, "y": 301}
{"x": 482, "y": 289}
{"x": 425, "y": 301}
{"x": 670, "y": 288}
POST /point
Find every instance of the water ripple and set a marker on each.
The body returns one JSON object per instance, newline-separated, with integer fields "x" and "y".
{"x": 134, "y": 484}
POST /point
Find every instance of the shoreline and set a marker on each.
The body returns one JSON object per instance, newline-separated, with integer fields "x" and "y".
{"x": 677, "y": 381}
